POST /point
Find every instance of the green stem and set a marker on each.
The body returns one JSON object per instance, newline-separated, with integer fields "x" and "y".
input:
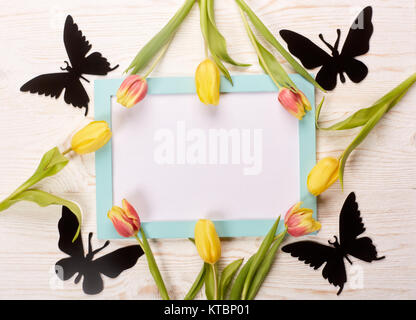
{"x": 66, "y": 151}
{"x": 154, "y": 270}
{"x": 214, "y": 273}
{"x": 159, "y": 57}
{"x": 254, "y": 42}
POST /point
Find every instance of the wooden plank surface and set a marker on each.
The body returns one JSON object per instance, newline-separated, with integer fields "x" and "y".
{"x": 381, "y": 171}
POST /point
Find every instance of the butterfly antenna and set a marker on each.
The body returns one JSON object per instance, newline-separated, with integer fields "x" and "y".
{"x": 326, "y": 43}
{"x": 338, "y": 37}
{"x": 67, "y": 66}
{"x": 99, "y": 249}
{"x": 89, "y": 243}
{"x": 332, "y": 243}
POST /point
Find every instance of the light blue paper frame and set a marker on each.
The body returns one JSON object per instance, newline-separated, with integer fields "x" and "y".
{"x": 104, "y": 89}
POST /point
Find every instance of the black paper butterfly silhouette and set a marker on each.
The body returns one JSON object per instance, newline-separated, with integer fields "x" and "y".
{"x": 111, "y": 264}
{"x": 350, "y": 227}
{"x": 52, "y": 84}
{"x": 356, "y": 44}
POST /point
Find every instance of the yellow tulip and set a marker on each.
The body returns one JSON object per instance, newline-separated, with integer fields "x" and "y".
{"x": 91, "y": 138}
{"x": 323, "y": 175}
{"x": 207, "y": 241}
{"x": 207, "y": 82}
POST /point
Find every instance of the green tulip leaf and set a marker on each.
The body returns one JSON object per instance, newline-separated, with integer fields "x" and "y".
{"x": 161, "y": 39}
{"x": 237, "y": 287}
{"x": 265, "y": 266}
{"x": 226, "y": 277}
{"x": 358, "y": 139}
{"x": 258, "y": 259}
{"x": 267, "y": 61}
{"x": 223, "y": 69}
{"x": 44, "y": 199}
{"x": 51, "y": 163}
{"x": 259, "y": 25}
{"x": 362, "y": 116}
{"x": 197, "y": 285}
{"x": 216, "y": 41}
{"x": 209, "y": 282}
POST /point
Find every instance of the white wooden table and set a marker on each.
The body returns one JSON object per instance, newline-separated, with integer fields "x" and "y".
{"x": 381, "y": 171}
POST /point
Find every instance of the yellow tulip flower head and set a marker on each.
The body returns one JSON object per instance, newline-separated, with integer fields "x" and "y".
{"x": 207, "y": 82}
{"x": 323, "y": 175}
{"x": 207, "y": 241}
{"x": 91, "y": 138}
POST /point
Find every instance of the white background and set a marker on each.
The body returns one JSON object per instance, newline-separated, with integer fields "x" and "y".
{"x": 381, "y": 171}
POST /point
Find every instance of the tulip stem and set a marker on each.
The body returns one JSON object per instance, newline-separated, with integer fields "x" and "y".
{"x": 159, "y": 57}
{"x": 214, "y": 273}
{"x": 154, "y": 270}
{"x": 66, "y": 151}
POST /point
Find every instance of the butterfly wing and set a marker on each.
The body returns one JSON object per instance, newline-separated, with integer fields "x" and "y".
{"x": 350, "y": 227}
{"x": 356, "y": 70}
{"x": 77, "y": 48}
{"x": 350, "y": 222}
{"x": 96, "y": 64}
{"x": 51, "y": 84}
{"x": 68, "y": 226}
{"x": 75, "y": 43}
{"x": 92, "y": 283}
{"x": 327, "y": 76}
{"x": 357, "y": 42}
{"x": 312, "y": 253}
{"x": 305, "y": 50}
{"x": 67, "y": 267}
{"x": 112, "y": 264}
{"x": 76, "y": 95}
{"x": 315, "y": 255}
{"x": 334, "y": 272}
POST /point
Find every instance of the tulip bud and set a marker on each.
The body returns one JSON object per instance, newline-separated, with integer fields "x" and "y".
{"x": 207, "y": 82}
{"x": 132, "y": 90}
{"x": 91, "y": 138}
{"x": 299, "y": 221}
{"x": 207, "y": 241}
{"x": 294, "y": 102}
{"x": 125, "y": 220}
{"x": 323, "y": 175}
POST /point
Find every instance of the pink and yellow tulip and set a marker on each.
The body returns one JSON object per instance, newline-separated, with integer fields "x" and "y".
{"x": 125, "y": 220}
{"x": 294, "y": 102}
{"x": 132, "y": 90}
{"x": 299, "y": 221}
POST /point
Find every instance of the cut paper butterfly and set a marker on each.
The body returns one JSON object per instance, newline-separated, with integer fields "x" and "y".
{"x": 356, "y": 44}
{"x": 110, "y": 265}
{"x": 77, "y": 47}
{"x": 316, "y": 254}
